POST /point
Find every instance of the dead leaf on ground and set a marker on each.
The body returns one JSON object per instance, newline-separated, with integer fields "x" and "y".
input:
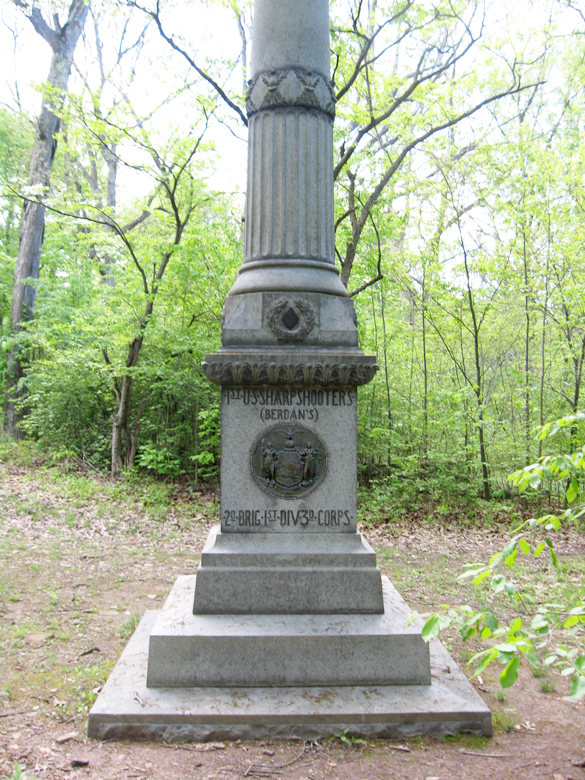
{"x": 37, "y": 639}
{"x": 66, "y": 737}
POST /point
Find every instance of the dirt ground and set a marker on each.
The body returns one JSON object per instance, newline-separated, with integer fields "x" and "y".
{"x": 79, "y": 565}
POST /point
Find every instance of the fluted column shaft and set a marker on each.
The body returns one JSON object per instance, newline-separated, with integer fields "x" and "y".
{"x": 291, "y": 104}
{"x": 289, "y": 208}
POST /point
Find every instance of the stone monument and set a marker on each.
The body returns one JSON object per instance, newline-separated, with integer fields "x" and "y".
{"x": 288, "y": 628}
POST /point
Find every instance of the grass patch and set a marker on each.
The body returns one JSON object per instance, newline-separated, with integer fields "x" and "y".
{"x": 128, "y": 627}
{"x": 547, "y": 685}
{"x": 19, "y": 772}
{"x": 504, "y": 720}
{"x": 467, "y": 741}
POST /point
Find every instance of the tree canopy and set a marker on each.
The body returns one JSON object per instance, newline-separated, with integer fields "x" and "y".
{"x": 459, "y": 207}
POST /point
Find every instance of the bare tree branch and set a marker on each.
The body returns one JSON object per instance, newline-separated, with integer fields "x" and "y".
{"x": 155, "y": 16}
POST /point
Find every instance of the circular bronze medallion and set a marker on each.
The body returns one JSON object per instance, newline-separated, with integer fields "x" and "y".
{"x": 288, "y": 461}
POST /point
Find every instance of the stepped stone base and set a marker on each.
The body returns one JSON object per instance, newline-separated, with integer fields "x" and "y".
{"x": 243, "y": 574}
{"x": 188, "y": 650}
{"x": 128, "y": 709}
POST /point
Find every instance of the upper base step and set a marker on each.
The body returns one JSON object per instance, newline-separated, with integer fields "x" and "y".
{"x": 269, "y": 574}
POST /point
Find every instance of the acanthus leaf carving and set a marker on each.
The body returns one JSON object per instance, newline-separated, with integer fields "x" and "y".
{"x": 228, "y": 372}
{"x": 290, "y": 88}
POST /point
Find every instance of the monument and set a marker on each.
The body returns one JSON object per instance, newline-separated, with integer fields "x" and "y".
{"x": 287, "y": 628}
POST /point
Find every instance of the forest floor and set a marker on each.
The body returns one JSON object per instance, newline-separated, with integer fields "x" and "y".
{"x": 82, "y": 558}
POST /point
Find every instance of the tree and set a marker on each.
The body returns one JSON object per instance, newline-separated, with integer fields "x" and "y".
{"x": 62, "y": 39}
{"x": 402, "y": 74}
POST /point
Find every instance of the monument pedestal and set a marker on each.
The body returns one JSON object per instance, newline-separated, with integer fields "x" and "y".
{"x": 269, "y": 574}
{"x": 288, "y": 629}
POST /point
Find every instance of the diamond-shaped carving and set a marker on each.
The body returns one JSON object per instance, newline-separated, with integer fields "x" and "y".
{"x": 290, "y": 318}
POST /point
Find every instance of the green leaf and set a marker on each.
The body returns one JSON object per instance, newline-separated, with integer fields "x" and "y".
{"x": 511, "y": 546}
{"x": 510, "y": 674}
{"x": 572, "y": 490}
{"x": 431, "y": 628}
{"x": 580, "y": 663}
{"x": 516, "y": 625}
{"x": 532, "y": 660}
{"x": 577, "y": 687}
{"x": 571, "y": 621}
{"x": 481, "y": 577}
{"x": 490, "y": 621}
{"x": 539, "y": 549}
{"x": 467, "y": 632}
{"x": 472, "y": 573}
{"x": 506, "y": 647}
{"x": 488, "y": 657}
{"x": 495, "y": 559}
{"x": 538, "y": 621}
{"x": 524, "y": 546}
{"x": 498, "y": 583}
{"x": 510, "y": 560}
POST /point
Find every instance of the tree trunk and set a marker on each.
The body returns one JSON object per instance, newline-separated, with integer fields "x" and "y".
{"x": 63, "y": 41}
{"x": 527, "y": 337}
{"x": 120, "y": 421}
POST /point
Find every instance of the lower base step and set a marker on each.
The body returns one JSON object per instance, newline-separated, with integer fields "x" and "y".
{"x": 127, "y": 709}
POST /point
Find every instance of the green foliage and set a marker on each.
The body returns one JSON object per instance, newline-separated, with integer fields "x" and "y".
{"x": 19, "y": 772}
{"x": 477, "y": 317}
{"x": 553, "y": 627}
{"x": 207, "y": 458}
{"x": 160, "y": 460}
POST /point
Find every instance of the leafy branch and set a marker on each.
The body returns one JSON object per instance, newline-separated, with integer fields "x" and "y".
{"x": 550, "y": 628}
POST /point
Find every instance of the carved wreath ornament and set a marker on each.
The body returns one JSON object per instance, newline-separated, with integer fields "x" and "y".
{"x": 291, "y": 320}
{"x": 290, "y": 88}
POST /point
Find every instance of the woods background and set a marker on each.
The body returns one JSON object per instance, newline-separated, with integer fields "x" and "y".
{"x": 460, "y": 216}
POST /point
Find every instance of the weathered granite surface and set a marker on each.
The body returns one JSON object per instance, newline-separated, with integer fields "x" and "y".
{"x": 289, "y": 206}
{"x": 288, "y": 460}
{"x": 188, "y": 650}
{"x": 127, "y": 709}
{"x": 305, "y": 573}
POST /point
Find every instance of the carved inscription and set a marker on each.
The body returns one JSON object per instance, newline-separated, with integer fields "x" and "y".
{"x": 286, "y": 518}
{"x": 288, "y": 461}
{"x": 287, "y": 404}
